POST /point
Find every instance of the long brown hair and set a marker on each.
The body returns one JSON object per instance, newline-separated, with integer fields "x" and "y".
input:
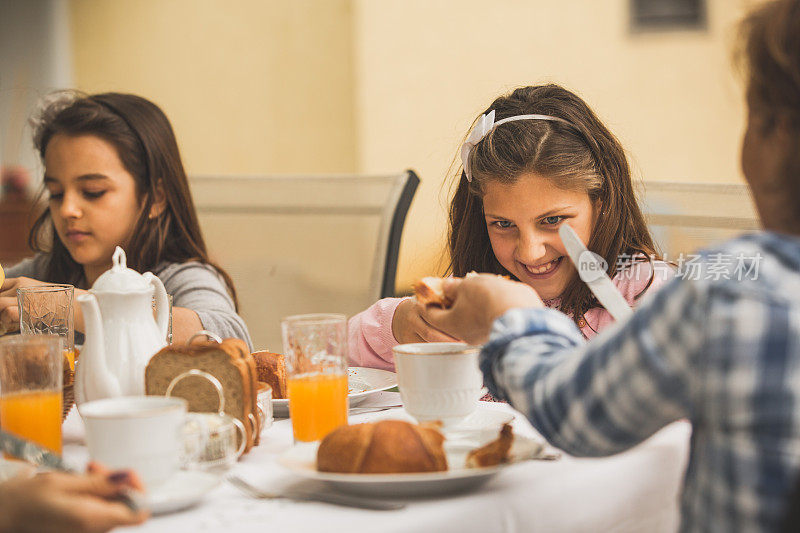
{"x": 770, "y": 54}
{"x": 146, "y": 145}
{"x": 580, "y": 155}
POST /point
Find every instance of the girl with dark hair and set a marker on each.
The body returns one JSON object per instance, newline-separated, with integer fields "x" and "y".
{"x": 114, "y": 177}
{"x": 537, "y": 158}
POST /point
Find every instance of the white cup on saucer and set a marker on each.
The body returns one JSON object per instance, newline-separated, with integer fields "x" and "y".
{"x": 143, "y": 433}
{"x": 438, "y": 380}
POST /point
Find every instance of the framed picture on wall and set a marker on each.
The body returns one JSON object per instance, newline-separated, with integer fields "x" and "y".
{"x": 661, "y": 15}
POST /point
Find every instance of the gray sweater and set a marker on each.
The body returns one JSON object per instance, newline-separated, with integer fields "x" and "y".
{"x": 193, "y": 285}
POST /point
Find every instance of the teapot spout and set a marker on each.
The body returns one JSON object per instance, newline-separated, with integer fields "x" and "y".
{"x": 93, "y": 379}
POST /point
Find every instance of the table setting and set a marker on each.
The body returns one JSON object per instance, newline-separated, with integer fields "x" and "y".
{"x": 633, "y": 491}
{"x": 225, "y": 438}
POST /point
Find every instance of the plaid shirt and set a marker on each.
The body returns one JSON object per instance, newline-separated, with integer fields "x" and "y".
{"x": 724, "y": 353}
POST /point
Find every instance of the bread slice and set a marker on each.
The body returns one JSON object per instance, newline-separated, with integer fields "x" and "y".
{"x": 495, "y": 452}
{"x": 429, "y": 291}
{"x": 228, "y": 362}
{"x": 271, "y": 369}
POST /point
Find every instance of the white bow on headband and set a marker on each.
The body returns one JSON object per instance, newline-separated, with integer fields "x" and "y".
{"x": 486, "y": 124}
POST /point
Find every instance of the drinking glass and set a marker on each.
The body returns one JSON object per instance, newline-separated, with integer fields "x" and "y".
{"x": 316, "y": 366}
{"x": 31, "y": 371}
{"x": 47, "y": 310}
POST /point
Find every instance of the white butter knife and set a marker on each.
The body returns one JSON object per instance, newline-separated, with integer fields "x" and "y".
{"x": 592, "y": 270}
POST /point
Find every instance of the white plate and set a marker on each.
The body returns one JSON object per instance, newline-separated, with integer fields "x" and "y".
{"x": 184, "y": 489}
{"x": 361, "y": 382}
{"x": 302, "y": 461}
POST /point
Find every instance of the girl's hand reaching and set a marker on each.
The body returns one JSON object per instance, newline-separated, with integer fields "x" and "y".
{"x": 408, "y": 325}
{"x": 9, "y": 311}
{"x": 477, "y": 302}
{"x": 56, "y": 501}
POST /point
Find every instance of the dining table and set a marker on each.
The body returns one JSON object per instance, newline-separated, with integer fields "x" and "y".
{"x": 637, "y": 490}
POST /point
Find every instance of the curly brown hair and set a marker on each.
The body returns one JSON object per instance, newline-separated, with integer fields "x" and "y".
{"x": 769, "y": 52}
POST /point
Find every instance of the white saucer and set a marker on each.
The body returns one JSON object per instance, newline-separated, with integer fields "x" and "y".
{"x": 486, "y": 417}
{"x": 184, "y": 489}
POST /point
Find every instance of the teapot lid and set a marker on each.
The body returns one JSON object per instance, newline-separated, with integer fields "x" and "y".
{"x": 119, "y": 278}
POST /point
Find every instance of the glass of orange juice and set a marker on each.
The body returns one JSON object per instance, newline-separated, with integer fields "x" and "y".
{"x": 48, "y": 310}
{"x": 31, "y": 370}
{"x": 315, "y": 347}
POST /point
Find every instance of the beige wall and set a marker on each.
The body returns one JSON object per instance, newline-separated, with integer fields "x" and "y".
{"x": 426, "y": 68}
{"x": 260, "y": 87}
{"x": 251, "y": 86}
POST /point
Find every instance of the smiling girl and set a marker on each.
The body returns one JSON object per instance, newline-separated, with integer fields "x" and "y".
{"x": 114, "y": 177}
{"x": 536, "y": 159}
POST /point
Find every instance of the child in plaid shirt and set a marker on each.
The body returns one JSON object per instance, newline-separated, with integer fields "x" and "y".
{"x": 721, "y": 351}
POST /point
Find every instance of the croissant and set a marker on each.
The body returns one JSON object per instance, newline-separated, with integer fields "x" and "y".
{"x": 493, "y": 453}
{"x": 385, "y": 447}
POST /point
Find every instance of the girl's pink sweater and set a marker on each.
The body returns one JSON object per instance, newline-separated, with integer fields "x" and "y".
{"x": 370, "y": 337}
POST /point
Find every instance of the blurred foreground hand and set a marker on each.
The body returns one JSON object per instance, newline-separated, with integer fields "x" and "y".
{"x": 56, "y": 502}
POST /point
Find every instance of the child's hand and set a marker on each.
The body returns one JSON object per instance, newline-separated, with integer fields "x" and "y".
{"x": 477, "y": 302}
{"x": 9, "y": 311}
{"x": 409, "y": 326}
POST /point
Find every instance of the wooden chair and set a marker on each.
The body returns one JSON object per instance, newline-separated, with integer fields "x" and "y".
{"x": 304, "y": 244}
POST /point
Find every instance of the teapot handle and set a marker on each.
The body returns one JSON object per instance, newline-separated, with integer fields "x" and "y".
{"x": 205, "y": 333}
{"x": 162, "y": 304}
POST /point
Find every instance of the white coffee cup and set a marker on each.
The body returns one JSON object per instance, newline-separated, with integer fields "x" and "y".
{"x": 143, "y": 433}
{"x": 438, "y": 380}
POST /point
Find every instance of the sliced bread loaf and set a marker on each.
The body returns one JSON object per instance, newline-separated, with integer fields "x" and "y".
{"x": 271, "y": 369}
{"x": 230, "y": 362}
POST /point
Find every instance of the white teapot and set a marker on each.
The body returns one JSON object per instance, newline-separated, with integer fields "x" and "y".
{"x": 121, "y": 332}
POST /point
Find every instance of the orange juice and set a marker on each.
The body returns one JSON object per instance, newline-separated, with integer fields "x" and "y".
{"x": 317, "y": 404}
{"x": 71, "y": 356}
{"x": 33, "y": 415}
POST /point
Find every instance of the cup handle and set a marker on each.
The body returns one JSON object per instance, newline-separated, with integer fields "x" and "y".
{"x": 197, "y": 372}
{"x": 243, "y": 444}
{"x": 162, "y": 303}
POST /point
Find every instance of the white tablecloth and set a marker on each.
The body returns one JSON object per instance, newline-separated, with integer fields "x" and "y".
{"x": 633, "y": 491}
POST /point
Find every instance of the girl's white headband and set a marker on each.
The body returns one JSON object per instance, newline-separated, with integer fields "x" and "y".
{"x": 485, "y": 125}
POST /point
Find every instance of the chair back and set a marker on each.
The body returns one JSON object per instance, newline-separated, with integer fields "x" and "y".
{"x": 687, "y": 217}
{"x": 304, "y": 244}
